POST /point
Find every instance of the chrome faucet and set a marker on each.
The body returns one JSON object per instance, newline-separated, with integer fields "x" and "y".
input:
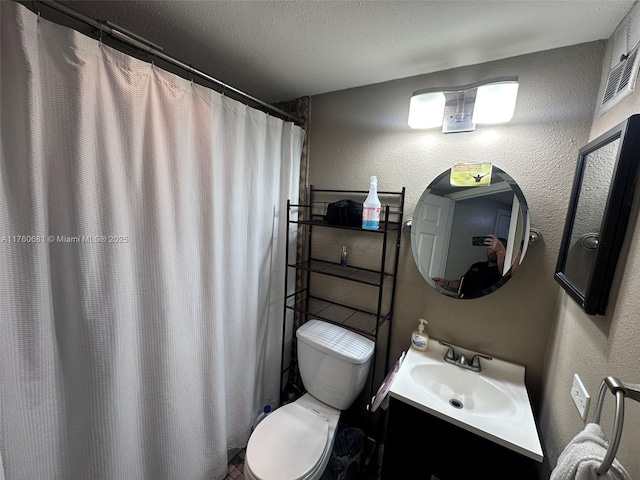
{"x": 460, "y": 360}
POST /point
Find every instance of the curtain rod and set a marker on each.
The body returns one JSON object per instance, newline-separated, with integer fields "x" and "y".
{"x": 153, "y": 49}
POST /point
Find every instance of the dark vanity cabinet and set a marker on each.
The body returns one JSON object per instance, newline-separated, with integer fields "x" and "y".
{"x": 421, "y": 446}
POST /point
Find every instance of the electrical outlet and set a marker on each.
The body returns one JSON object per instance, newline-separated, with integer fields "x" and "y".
{"x": 580, "y": 396}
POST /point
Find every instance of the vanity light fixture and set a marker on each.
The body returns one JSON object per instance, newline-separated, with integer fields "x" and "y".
{"x": 459, "y": 109}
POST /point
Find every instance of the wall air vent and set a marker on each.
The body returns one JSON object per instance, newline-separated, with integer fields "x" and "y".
{"x": 625, "y": 60}
{"x": 621, "y": 81}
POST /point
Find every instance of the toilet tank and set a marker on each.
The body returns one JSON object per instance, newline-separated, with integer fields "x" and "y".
{"x": 334, "y": 362}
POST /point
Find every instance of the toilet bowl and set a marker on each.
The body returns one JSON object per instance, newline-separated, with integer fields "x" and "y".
{"x": 295, "y": 441}
{"x": 276, "y": 451}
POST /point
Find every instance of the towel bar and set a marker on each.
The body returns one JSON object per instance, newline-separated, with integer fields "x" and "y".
{"x": 620, "y": 390}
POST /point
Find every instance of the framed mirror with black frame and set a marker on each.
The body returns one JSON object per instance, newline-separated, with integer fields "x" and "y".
{"x": 599, "y": 208}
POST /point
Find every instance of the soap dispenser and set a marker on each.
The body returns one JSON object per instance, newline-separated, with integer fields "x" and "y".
{"x": 420, "y": 338}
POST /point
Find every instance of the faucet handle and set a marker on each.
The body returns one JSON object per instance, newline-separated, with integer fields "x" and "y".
{"x": 451, "y": 353}
{"x": 475, "y": 360}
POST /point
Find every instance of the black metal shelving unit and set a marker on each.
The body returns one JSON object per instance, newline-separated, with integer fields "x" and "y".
{"x": 380, "y": 276}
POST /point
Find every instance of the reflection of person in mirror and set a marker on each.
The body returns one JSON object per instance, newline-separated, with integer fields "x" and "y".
{"x": 481, "y": 275}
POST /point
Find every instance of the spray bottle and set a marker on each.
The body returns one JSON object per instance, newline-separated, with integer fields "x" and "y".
{"x": 371, "y": 207}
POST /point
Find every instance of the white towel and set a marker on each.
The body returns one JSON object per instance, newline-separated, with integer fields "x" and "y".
{"x": 584, "y": 454}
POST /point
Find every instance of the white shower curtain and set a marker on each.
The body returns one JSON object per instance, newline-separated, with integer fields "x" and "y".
{"x": 142, "y": 262}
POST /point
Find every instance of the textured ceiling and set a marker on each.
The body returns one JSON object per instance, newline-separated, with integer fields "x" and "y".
{"x": 279, "y": 50}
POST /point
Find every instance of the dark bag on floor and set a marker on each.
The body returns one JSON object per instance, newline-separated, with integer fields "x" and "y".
{"x": 347, "y": 213}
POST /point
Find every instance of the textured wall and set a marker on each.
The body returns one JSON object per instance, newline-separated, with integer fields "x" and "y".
{"x": 363, "y": 131}
{"x": 598, "y": 346}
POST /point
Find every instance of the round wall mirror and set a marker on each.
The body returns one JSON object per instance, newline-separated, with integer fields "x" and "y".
{"x": 468, "y": 241}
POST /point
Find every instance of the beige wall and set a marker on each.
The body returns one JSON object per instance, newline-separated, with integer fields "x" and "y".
{"x": 363, "y": 131}
{"x": 598, "y": 346}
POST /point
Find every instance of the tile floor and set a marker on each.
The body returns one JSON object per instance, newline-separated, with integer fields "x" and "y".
{"x": 235, "y": 470}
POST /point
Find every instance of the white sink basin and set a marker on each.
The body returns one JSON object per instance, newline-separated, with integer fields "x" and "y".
{"x": 463, "y": 390}
{"x": 492, "y": 403}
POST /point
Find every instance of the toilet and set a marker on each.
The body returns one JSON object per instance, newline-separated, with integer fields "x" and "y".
{"x": 294, "y": 442}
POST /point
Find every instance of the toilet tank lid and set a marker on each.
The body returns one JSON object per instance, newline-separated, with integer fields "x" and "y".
{"x": 336, "y": 341}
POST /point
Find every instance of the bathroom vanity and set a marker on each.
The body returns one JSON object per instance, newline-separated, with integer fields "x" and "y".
{"x": 454, "y": 423}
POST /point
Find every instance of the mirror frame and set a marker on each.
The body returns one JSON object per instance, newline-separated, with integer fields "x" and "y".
{"x": 615, "y": 218}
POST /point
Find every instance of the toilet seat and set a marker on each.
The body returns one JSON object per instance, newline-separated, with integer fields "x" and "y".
{"x": 290, "y": 443}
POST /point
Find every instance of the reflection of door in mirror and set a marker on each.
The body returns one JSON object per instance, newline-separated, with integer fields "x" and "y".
{"x": 596, "y": 182}
{"x": 503, "y": 219}
{"x": 503, "y": 223}
{"x": 432, "y": 233}
{"x": 516, "y": 232}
